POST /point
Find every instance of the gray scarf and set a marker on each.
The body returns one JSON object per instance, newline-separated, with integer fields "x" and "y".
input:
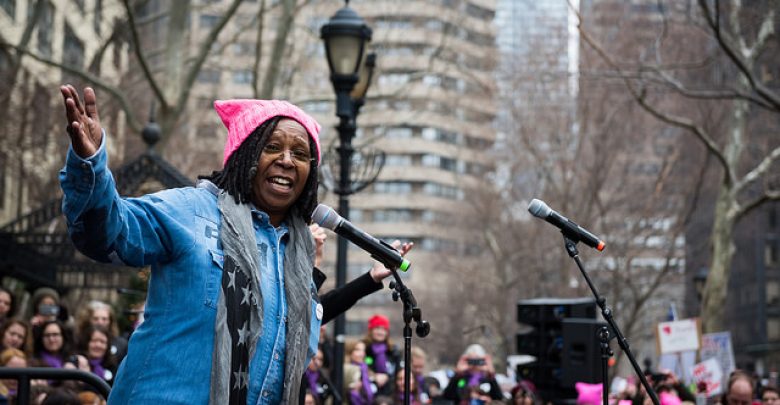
{"x": 239, "y": 321}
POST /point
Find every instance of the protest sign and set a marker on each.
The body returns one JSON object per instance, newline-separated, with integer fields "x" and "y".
{"x": 678, "y": 336}
{"x": 709, "y": 373}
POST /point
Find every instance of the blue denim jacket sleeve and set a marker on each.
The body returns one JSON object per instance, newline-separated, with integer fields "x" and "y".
{"x": 106, "y": 227}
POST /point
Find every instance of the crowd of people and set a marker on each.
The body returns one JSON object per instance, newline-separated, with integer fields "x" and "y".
{"x": 47, "y": 335}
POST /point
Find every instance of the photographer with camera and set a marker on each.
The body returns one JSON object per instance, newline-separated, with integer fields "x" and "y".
{"x": 474, "y": 374}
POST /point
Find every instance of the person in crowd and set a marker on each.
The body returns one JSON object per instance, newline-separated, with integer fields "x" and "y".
{"x": 231, "y": 259}
{"x": 11, "y": 358}
{"x": 382, "y": 356}
{"x": 90, "y": 398}
{"x": 61, "y": 396}
{"x": 310, "y": 399}
{"x": 357, "y": 376}
{"x": 13, "y": 334}
{"x": 316, "y": 382}
{"x": 100, "y": 314}
{"x": 739, "y": 389}
{"x": 770, "y": 395}
{"x": 7, "y": 305}
{"x": 95, "y": 345}
{"x": 45, "y": 306}
{"x": 523, "y": 394}
{"x": 399, "y": 393}
{"x": 667, "y": 381}
{"x": 435, "y": 392}
{"x": 52, "y": 345}
{"x": 419, "y": 359}
{"x": 474, "y": 376}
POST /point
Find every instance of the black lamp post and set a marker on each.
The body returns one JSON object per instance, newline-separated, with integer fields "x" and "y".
{"x": 699, "y": 281}
{"x": 345, "y": 36}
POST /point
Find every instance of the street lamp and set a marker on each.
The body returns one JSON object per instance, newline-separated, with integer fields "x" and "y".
{"x": 345, "y": 36}
{"x": 699, "y": 281}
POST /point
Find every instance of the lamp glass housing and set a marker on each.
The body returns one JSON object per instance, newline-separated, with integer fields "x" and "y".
{"x": 344, "y": 54}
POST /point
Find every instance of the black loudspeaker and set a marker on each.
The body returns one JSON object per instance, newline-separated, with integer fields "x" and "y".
{"x": 543, "y": 338}
{"x": 581, "y": 357}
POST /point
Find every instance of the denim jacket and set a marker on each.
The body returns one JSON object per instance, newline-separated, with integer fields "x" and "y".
{"x": 176, "y": 232}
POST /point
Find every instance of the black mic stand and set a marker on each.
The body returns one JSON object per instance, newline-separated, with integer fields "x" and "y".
{"x": 606, "y": 312}
{"x": 411, "y": 312}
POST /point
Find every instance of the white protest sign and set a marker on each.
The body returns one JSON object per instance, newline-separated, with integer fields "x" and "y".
{"x": 678, "y": 336}
{"x": 710, "y": 374}
{"x": 718, "y": 346}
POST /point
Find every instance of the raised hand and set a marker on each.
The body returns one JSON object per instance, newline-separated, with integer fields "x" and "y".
{"x": 379, "y": 272}
{"x": 319, "y": 238}
{"x": 83, "y": 120}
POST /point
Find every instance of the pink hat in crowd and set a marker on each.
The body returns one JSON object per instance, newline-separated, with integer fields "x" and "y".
{"x": 242, "y": 117}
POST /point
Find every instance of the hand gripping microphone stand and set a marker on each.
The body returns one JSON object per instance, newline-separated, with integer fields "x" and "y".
{"x": 603, "y": 334}
{"x": 411, "y": 312}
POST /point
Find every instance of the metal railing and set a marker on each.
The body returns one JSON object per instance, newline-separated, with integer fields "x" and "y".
{"x": 25, "y": 375}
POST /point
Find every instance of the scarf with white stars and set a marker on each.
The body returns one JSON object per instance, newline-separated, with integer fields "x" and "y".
{"x": 239, "y": 321}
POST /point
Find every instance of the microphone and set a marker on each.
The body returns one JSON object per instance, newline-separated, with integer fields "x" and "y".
{"x": 568, "y": 227}
{"x": 327, "y": 217}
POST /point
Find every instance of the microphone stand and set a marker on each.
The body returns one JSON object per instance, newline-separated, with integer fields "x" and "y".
{"x": 606, "y": 312}
{"x": 411, "y": 312}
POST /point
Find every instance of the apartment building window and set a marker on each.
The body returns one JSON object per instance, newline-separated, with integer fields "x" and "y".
{"x": 399, "y": 133}
{"x": 243, "y": 77}
{"x": 431, "y": 160}
{"x": 209, "y": 76}
{"x": 244, "y": 49}
{"x": 393, "y": 79}
{"x": 72, "y": 49}
{"x": 773, "y": 329}
{"x": 9, "y": 6}
{"x": 44, "y": 30}
{"x": 393, "y": 215}
{"x": 208, "y": 21}
{"x": 398, "y": 160}
{"x": 772, "y": 251}
{"x": 441, "y": 190}
{"x": 480, "y": 12}
{"x": 392, "y": 187}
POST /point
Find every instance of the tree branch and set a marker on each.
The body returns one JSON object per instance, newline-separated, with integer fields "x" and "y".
{"x": 725, "y": 44}
{"x": 742, "y": 210}
{"x": 640, "y": 97}
{"x": 203, "y": 52}
{"x": 759, "y": 170}
{"x": 142, "y": 58}
{"x": 131, "y": 119}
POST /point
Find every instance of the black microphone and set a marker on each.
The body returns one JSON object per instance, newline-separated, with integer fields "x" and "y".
{"x": 569, "y": 228}
{"x": 327, "y": 217}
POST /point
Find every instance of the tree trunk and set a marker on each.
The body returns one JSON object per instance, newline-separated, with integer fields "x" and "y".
{"x": 714, "y": 295}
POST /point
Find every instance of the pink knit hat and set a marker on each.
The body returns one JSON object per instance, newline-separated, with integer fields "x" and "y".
{"x": 242, "y": 117}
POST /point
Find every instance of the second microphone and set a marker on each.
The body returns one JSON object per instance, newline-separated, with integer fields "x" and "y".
{"x": 327, "y": 217}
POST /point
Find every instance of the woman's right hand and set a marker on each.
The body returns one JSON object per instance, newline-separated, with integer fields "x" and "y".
{"x": 83, "y": 125}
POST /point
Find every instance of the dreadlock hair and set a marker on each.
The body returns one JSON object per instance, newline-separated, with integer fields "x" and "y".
{"x": 240, "y": 169}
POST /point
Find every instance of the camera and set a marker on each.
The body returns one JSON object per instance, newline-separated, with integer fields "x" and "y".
{"x": 475, "y": 362}
{"x": 49, "y": 310}
{"x": 659, "y": 377}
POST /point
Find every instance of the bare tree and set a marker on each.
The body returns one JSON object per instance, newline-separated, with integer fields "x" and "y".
{"x": 737, "y": 51}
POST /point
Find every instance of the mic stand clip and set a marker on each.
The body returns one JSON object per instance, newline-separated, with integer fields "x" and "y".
{"x": 604, "y": 338}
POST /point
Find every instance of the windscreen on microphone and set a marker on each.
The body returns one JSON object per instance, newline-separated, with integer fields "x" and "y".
{"x": 539, "y": 209}
{"x": 326, "y": 217}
